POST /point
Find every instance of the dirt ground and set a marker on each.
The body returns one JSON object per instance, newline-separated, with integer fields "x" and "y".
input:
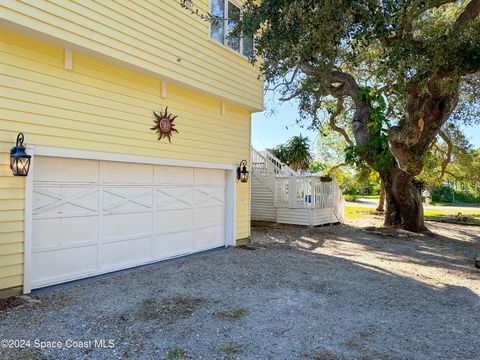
{"x": 333, "y": 292}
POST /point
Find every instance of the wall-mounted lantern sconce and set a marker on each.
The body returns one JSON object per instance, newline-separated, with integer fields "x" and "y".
{"x": 242, "y": 172}
{"x": 19, "y": 159}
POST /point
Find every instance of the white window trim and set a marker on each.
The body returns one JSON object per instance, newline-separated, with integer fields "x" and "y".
{"x": 225, "y": 28}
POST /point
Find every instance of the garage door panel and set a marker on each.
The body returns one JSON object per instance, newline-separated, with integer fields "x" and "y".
{"x": 64, "y": 200}
{"x": 124, "y": 225}
{"x": 126, "y": 252}
{"x": 65, "y": 170}
{"x": 210, "y": 196}
{"x": 169, "y": 198}
{"x": 61, "y": 265}
{"x": 173, "y": 175}
{"x": 210, "y": 177}
{"x": 127, "y": 199}
{"x": 173, "y": 220}
{"x": 210, "y": 237}
{"x": 55, "y": 232}
{"x": 173, "y": 244}
{"x": 210, "y": 216}
{"x": 116, "y": 215}
{"x": 126, "y": 173}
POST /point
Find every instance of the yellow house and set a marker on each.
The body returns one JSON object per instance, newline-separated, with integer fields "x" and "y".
{"x": 81, "y": 80}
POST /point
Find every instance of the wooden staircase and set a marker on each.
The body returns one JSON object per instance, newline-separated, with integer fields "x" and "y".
{"x": 265, "y": 169}
{"x": 280, "y": 195}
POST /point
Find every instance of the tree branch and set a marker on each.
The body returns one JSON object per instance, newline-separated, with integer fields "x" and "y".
{"x": 339, "y": 108}
{"x": 471, "y": 12}
{"x": 437, "y": 148}
{"x": 456, "y": 177}
{"x": 342, "y": 84}
{"x": 287, "y": 83}
{"x": 335, "y": 167}
{"x": 448, "y": 157}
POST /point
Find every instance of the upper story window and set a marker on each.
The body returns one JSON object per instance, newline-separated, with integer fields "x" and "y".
{"x": 220, "y": 30}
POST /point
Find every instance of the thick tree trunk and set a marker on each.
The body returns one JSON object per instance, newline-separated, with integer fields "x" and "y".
{"x": 381, "y": 199}
{"x": 427, "y": 108}
{"x": 404, "y": 204}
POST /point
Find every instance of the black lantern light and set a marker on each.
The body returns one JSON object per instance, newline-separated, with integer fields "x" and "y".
{"x": 242, "y": 172}
{"x": 19, "y": 159}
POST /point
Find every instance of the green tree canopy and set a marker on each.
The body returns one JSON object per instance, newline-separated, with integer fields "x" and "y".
{"x": 396, "y": 69}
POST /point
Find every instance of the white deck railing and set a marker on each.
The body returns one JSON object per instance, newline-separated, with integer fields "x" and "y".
{"x": 282, "y": 168}
{"x": 291, "y": 191}
{"x": 307, "y": 192}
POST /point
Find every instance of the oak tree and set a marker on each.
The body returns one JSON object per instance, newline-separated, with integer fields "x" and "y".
{"x": 399, "y": 67}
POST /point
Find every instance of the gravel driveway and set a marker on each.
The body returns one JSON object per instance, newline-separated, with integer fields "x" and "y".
{"x": 326, "y": 293}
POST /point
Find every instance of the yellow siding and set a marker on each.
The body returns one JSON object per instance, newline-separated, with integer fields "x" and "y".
{"x": 100, "y": 107}
{"x": 144, "y": 34}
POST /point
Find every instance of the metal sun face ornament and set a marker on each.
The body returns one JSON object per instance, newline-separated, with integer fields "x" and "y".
{"x": 163, "y": 124}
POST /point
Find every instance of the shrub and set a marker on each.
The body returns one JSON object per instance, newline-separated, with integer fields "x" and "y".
{"x": 448, "y": 194}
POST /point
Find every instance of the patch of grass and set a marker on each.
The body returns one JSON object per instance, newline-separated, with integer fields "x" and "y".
{"x": 232, "y": 349}
{"x": 467, "y": 217}
{"x": 177, "y": 307}
{"x": 459, "y": 204}
{"x": 360, "y": 212}
{"x": 176, "y": 354}
{"x": 376, "y": 197}
{"x": 232, "y": 314}
{"x": 444, "y": 215}
{"x": 350, "y": 198}
{"x": 452, "y": 212}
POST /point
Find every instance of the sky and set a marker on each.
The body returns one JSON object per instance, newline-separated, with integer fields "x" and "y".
{"x": 277, "y": 124}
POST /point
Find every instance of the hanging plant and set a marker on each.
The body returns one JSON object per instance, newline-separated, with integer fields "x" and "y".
{"x": 163, "y": 124}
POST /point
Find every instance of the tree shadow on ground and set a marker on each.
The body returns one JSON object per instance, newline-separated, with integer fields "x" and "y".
{"x": 450, "y": 247}
{"x": 306, "y": 293}
{"x": 421, "y": 293}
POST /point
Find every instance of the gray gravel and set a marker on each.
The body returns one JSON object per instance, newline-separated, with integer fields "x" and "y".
{"x": 325, "y": 293}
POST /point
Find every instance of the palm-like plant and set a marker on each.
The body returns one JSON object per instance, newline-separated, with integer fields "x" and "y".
{"x": 295, "y": 153}
{"x": 299, "y": 155}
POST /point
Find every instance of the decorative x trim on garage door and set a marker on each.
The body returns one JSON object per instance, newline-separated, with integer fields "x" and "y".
{"x": 217, "y": 194}
{"x": 57, "y": 200}
{"x": 172, "y": 198}
{"x": 134, "y": 198}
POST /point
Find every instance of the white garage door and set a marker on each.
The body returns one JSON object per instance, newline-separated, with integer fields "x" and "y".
{"x": 90, "y": 217}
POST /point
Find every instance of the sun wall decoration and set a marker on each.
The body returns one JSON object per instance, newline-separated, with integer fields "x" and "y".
{"x": 163, "y": 124}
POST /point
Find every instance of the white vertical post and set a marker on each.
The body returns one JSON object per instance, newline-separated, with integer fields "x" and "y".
{"x": 332, "y": 208}
{"x": 230, "y": 207}
{"x": 275, "y": 192}
{"x": 27, "y": 241}
{"x": 101, "y": 193}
